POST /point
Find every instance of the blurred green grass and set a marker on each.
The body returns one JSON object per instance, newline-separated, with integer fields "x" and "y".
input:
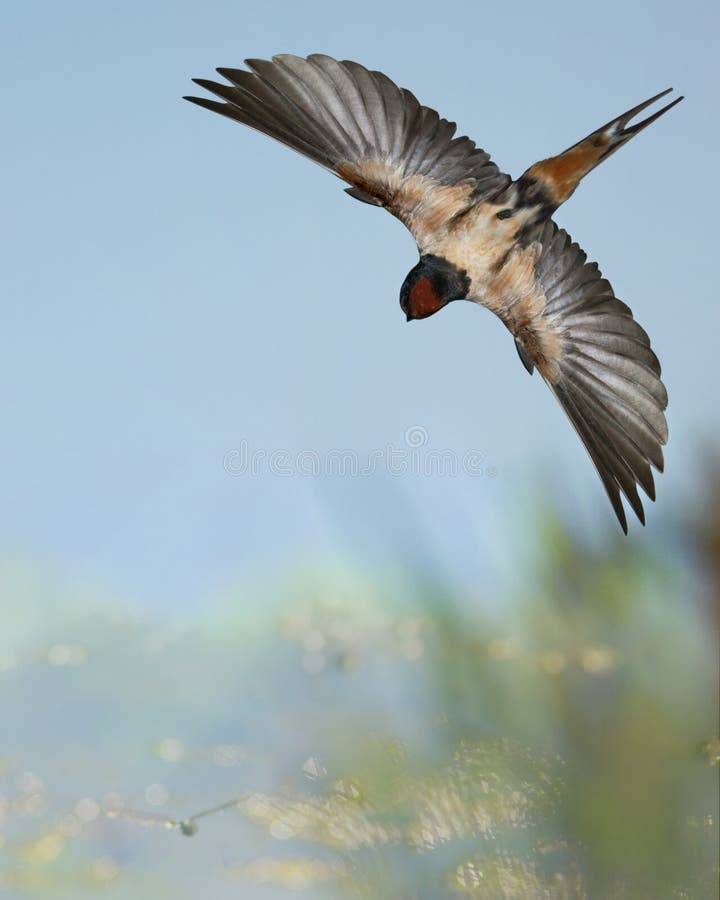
{"x": 386, "y": 740}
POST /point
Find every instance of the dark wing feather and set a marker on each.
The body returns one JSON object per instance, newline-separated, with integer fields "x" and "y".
{"x": 605, "y": 376}
{"x": 364, "y": 128}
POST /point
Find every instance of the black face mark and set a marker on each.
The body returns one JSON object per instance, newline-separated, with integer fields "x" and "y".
{"x": 431, "y": 284}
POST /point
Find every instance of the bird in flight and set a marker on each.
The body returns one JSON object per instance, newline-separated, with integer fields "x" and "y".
{"x": 483, "y": 237}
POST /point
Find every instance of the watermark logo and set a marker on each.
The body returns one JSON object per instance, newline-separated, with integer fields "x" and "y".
{"x": 413, "y": 456}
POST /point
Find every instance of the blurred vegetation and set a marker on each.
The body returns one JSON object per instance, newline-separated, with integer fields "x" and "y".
{"x": 382, "y": 741}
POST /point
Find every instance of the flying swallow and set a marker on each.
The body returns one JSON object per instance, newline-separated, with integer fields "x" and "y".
{"x": 481, "y": 237}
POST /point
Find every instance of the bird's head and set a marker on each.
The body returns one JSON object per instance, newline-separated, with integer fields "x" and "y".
{"x": 432, "y": 284}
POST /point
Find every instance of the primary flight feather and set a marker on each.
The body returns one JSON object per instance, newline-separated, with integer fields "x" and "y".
{"x": 482, "y": 237}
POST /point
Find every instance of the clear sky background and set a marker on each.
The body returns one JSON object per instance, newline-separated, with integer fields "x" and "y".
{"x": 174, "y": 284}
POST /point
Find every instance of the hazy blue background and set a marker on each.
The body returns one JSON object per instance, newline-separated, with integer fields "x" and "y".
{"x": 174, "y": 284}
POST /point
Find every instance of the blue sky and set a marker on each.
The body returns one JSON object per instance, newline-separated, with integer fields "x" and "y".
{"x": 175, "y": 285}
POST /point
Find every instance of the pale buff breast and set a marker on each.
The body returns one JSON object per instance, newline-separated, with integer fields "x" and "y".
{"x": 503, "y": 280}
{"x": 516, "y": 296}
{"x": 477, "y": 243}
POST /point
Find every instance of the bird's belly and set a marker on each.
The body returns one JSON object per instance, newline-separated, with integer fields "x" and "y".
{"x": 502, "y": 279}
{"x": 480, "y": 247}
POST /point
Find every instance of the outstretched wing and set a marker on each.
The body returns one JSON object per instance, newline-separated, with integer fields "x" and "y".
{"x": 358, "y": 124}
{"x": 597, "y": 361}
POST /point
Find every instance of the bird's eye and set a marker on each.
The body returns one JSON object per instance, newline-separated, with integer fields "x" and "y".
{"x": 504, "y": 214}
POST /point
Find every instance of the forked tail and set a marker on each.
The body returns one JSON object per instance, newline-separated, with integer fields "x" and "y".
{"x": 558, "y": 176}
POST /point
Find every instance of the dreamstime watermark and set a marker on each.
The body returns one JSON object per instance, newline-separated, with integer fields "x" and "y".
{"x": 413, "y": 457}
